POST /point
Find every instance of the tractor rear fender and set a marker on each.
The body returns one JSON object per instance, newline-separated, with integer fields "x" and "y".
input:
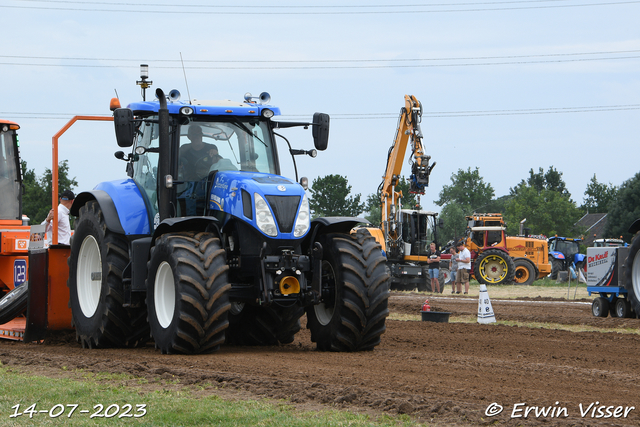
{"x": 331, "y": 224}
{"x": 122, "y": 205}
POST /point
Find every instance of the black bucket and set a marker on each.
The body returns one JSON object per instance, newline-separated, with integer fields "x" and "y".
{"x": 435, "y": 316}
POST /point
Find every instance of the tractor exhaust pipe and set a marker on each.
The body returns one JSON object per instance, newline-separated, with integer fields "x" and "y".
{"x": 164, "y": 165}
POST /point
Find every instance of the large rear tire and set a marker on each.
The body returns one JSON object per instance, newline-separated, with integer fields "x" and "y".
{"x": 556, "y": 267}
{"x": 187, "y": 293}
{"x": 14, "y": 303}
{"x": 355, "y": 294}
{"x": 494, "y": 267}
{"x": 96, "y": 262}
{"x": 632, "y": 273}
{"x": 525, "y": 272}
{"x": 256, "y": 325}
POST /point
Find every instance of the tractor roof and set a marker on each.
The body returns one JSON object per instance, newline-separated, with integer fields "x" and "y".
{"x": 209, "y": 108}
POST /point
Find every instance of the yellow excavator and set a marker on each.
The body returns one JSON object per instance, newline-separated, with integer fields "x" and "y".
{"x": 405, "y": 234}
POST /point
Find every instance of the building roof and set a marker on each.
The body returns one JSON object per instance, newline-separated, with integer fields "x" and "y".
{"x": 594, "y": 223}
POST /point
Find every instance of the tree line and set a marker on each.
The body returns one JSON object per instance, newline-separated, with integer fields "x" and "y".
{"x": 542, "y": 198}
{"x": 36, "y": 198}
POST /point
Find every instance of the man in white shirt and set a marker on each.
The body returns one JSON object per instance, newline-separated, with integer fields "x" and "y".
{"x": 64, "y": 227}
{"x": 464, "y": 268}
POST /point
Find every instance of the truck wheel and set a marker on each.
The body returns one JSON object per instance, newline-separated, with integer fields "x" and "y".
{"x": 632, "y": 273}
{"x": 187, "y": 293}
{"x": 600, "y": 307}
{"x": 494, "y": 267}
{"x": 13, "y": 303}
{"x": 622, "y": 308}
{"x": 556, "y": 267}
{"x": 264, "y": 325}
{"x": 525, "y": 272}
{"x": 96, "y": 262}
{"x": 444, "y": 275}
{"x": 355, "y": 294}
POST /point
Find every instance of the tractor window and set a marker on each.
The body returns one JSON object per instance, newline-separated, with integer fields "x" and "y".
{"x": 477, "y": 237}
{"x": 145, "y": 171}
{"x": 494, "y": 238}
{"x": 9, "y": 179}
{"x": 244, "y": 145}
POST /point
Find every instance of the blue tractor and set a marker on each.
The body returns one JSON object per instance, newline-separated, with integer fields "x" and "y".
{"x": 564, "y": 255}
{"x": 204, "y": 242}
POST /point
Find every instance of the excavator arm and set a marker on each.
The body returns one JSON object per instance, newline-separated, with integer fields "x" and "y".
{"x": 407, "y": 133}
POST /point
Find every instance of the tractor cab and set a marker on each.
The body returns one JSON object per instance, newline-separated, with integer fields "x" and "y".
{"x": 485, "y": 231}
{"x": 10, "y": 175}
{"x": 418, "y": 231}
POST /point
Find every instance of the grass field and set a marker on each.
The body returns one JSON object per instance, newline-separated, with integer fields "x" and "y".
{"x": 124, "y": 404}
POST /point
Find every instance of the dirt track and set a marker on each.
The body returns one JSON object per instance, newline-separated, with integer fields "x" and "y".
{"x": 438, "y": 373}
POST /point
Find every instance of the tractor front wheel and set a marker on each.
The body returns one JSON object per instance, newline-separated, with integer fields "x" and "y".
{"x": 494, "y": 267}
{"x": 187, "y": 293}
{"x": 355, "y": 294}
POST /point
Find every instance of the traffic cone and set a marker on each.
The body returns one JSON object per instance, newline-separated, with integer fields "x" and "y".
{"x": 485, "y": 311}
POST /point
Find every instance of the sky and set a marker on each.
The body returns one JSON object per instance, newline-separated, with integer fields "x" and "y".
{"x": 506, "y": 86}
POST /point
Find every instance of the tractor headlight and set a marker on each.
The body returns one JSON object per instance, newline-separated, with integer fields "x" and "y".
{"x": 264, "y": 218}
{"x": 302, "y": 222}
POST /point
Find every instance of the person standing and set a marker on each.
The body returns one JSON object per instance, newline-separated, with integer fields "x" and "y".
{"x": 433, "y": 255}
{"x": 453, "y": 268}
{"x": 464, "y": 268}
{"x": 64, "y": 227}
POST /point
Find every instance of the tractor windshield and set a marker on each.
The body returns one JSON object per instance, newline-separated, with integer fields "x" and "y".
{"x": 567, "y": 247}
{"x": 236, "y": 144}
{"x": 9, "y": 175}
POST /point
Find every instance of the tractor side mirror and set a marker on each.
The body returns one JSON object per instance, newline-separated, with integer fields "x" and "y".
{"x": 124, "y": 126}
{"x": 321, "y": 131}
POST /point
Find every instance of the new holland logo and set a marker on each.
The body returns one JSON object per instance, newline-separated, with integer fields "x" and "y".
{"x": 282, "y": 188}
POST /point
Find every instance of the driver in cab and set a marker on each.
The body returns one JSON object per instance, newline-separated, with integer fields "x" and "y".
{"x": 197, "y": 156}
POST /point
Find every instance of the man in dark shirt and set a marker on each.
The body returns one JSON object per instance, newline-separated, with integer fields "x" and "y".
{"x": 197, "y": 156}
{"x": 434, "y": 266}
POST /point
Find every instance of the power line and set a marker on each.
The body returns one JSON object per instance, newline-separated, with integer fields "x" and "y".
{"x": 256, "y": 10}
{"x": 376, "y": 116}
{"x": 325, "y": 67}
{"x": 459, "y": 58}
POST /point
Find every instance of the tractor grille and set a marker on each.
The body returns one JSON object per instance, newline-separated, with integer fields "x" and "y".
{"x": 285, "y": 209}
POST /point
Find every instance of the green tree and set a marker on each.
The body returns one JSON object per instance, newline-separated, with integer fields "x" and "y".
{"x": 330, "y": 197}
{"x": 373, "y": 205}
{"x": 598, "y": 196}
{"x": 546, "y": 204}
{"x": 455, "y": 223}
{"x": 468, "y": 193}
{"x": 36, "y": 201}
{"x": 550, "y": 180}
{"x": 624, "y": 209}
{"x": 468, "y": 190}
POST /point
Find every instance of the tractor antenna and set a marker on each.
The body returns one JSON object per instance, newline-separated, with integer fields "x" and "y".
{"x": 185, "y": 78}
{"x": 116, "y": 91}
